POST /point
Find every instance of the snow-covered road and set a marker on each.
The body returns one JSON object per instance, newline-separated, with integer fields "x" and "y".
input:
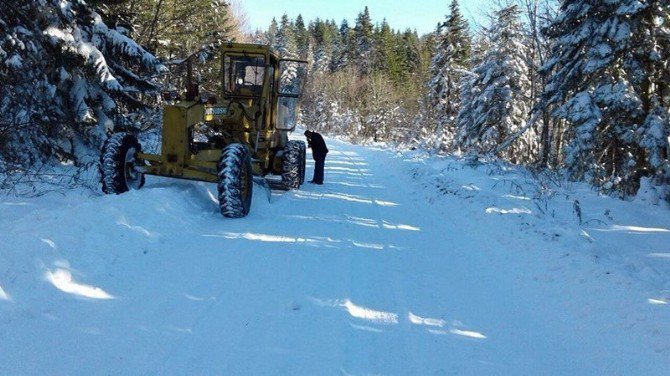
{"x": 389, "y": 268}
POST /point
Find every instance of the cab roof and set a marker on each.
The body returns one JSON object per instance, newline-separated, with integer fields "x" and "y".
{"x": 250, "y": 48}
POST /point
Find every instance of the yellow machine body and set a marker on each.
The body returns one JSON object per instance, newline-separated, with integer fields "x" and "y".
{"x": 243, "y": 112}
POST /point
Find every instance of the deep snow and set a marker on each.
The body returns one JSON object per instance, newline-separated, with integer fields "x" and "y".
{"x": 400, "y": 264}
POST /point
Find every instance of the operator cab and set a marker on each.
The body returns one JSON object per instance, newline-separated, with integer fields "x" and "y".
{"x": 252, "y": 72}
{"x": 243, "y": 75}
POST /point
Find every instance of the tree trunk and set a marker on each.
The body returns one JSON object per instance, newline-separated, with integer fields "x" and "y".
{"x": 152, "y": 30}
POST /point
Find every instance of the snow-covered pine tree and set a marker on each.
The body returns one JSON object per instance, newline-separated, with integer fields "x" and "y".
{"x": 496, "y": 104}
{"x": 364, "y": 42}
{"x": 171, "y": 28}
{"x": 451, "y": 59}
{"x": 67, "y": 80}
{"x": 302, "y": 41}
{"x": 285, "y": 39}
{"x": 610, "y": 80}
{"x": 271, "y": 33}
{"x": 342, "y": 48}
{"x": 426, "y": 138}
{"x": 323, "y": 46}
{"x": 468, "y": 89}
{"x": 539, "y": 13}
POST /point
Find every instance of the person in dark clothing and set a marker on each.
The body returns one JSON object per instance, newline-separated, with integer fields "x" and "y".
{"x": 319, "y": 151}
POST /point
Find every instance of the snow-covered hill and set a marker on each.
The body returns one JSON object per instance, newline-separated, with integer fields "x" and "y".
{"x": 398, "y": 265}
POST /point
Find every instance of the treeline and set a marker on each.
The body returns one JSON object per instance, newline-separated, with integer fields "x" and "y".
{"x": 580, "y": 86}
{"x": 366, "y": 80}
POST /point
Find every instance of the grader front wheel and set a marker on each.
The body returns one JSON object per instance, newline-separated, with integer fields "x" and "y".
{"x": 235, "y": 181}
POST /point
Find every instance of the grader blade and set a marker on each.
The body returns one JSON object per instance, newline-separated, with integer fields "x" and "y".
{"x": 266, "y": 186}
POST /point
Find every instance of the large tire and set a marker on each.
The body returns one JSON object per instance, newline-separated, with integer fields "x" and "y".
{"x": 303, "y": 161}
{"x": 235, "y": 181}
{"x": 118, "y": 164}
{"x": 291, "y": 162}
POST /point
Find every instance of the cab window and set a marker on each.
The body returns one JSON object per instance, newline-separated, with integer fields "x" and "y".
{"x": 243, "y": 75}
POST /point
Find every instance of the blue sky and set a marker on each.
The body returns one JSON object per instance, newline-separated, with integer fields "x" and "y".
{"x": 421, "y": 15}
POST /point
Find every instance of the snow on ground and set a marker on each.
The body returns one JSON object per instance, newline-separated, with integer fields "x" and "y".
{"x": 398, "y": 265}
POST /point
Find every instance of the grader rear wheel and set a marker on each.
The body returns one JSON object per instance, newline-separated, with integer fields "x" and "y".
{"x": 303, "y": 161}
{"x": 291, "y": 165}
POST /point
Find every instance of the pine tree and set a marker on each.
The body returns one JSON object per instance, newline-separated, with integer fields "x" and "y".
{"x": 449, "y": 62}
{"x": 458, "y": 32}
{"x": 171, "y": 28}
{"x": 69, "y": 80}
{"x": 610, "y": 83}
{"x": 301, "y": 38}
{"x": 342, "y": 48}
{"x": 323, "y": 46}
{"x": 364, "y": 44}
{"x": 285, "y": 39}
{"x": 498, "y": 105}
{"x": 271, "y": 34}
{"x": 469, "y": 89}
{"x": 386, "y": 59}
{"x": 408, "y": 49}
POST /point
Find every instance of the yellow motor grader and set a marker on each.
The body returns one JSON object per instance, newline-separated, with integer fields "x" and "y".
{"x": 228, "y": 138}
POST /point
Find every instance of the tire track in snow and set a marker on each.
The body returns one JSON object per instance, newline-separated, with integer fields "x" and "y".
{"x": 363, "y": 358}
